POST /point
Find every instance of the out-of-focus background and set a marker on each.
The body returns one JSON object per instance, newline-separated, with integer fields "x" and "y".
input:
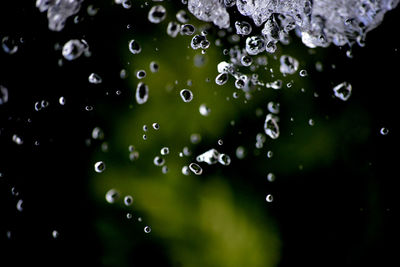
{"x": 334, "y": 191}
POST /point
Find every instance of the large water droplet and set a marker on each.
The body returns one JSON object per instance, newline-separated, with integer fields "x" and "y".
{"x": 142, "y": 93}
{"x": 99, "y": 166}
{"x": 271, "y": 127}
{"x": 112, "y": 196}
{"x": 157, "y": 14}
{"x": 186, "y": 95}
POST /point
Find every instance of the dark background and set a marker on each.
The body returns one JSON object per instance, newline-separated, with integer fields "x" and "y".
{"x": 339, "y": 214}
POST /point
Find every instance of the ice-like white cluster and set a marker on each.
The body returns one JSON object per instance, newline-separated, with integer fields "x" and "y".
{"x": 320, "y": 22}
{"x": 58, "y": 11}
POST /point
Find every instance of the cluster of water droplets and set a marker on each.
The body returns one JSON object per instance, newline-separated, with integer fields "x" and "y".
{"x": 58, "y": 11}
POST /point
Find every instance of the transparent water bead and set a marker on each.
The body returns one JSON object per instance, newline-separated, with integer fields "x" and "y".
{"x": 243, "y": 27}
{"x": 224, "y": 159}
{"x": 271, "y": 177}
{"x": 73, "y": 49}
{"x": 187, "y": 29}
{"x": 195, "y": 138}
{"x": 303, "y": 73}
{"x": 158, "y": 161}
{"x": 271, "y": 127}
{"x": 173, "y": 29}
{"x": 185, "y": 170}
{"x": 199, "y": 42}
{"x": 154, "y": 67}
{"x": 210, "y": 157}
{"x": 221, "y": 78}
{"x": 156, "y": 126}
{"x": 384, "y": 131}
{"x": 17, "y": 139}
{"x": 240, "y": 152}
{"x": 289, "y": 65}
{"x": 55, "y": 234}
{"x": 99, "y": 166}
{"x": 182, "y": 16}
{"x": 269, "y": 198}
{"x": 255, "y": 45}
{"x": 94, "y": 78}
{"x": 9, "y": 45}
{"x": 195, "y": 168}
{"x": 204, "y": 110}
{"x": 246, "y": 60}
{"x": 343, "y": 91}
{"x": 3, "y": 95}
{"x": 157, "y": 14}
{"x": 273, "y": 107}
{"x": 134, "y": 47}
{"x": 186, "y": 95}
{"x": 62, "y": 101}
{"x": 147, "y": 229}
{"x": 112, "y": 196}
{"x": 164, "y": 151}
{"x": 142, "y": 93}
{"x": 97, "y": 133}
{"x": 140, "y": 74}
{"x": 128, "y": 200}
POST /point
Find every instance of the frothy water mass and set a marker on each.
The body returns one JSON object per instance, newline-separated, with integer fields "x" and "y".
{"x": 198, "y": 132}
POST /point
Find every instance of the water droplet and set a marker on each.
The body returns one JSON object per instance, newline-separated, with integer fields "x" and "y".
{"x": 187, "y": 29}
{"x": 220, "y": 142}
{"x": 112, "y": 196}
{"x": 224, "y": 159}
{"x": 134, "y": 47}
{"x": 62, "y": 101}
{"x": 97, "y": 133}
{"x": 158, "y": 161}
{"x": 156, "y": 126}
{"x": 164, "y": 151}
{"x": 303, "y": 73}
{"x": 289, "y": 65}
{"x": 129, "y": 216}
{"x": 55, "y": 234}
{"x": 144, "y": 137}
{"x": 271, "y": 177}
{"x": 3, "y": 95}
{"x": 94, "y": 78}
{"x": 99, "y": 166}
{"x": 133, "y": 155}
{"x": 195, "y": 138}
{"x": 269, "y": 198}
{"x": 140, "y": 74}
{"x": 240, "y": 152}
{"x": 20, "y": 205}
{"x": 154, "y": 66}
{"x": 343, "y": 91}
{"x": 311, "y": 122}
{"x": 182, "y": 16}
{"x": 186, "y": 95}
{"x": 255, "y": 45}
{"x": 17, "y": 139}
{"x": 127, "y": 4}
{"x": 157, "y": 14}
{"x": 210, "y": 157}
{"x": 273, "y": 107}
{"x": 243, "y": 27}
{"x": 204, "y": 110}
{"x": 147, "y": 229}
{"x": 185, "y": 170}
{"x": 221, "y": 78}
{"x": 384, "y": 131}
{"x": 271, "y": 127}
{"x": 173, "y": 29}
{"x": 195, "y": 168}
{"x": 270, "y": 154}
{"x": 128, "y": 200}
{"x": 164, "y": 169}
{"x": 142, "y": 93}
{"x": 9, "y": 45}
{"x": 73, "y": 49}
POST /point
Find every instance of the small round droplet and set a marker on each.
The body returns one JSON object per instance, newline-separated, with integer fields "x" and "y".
{"x": 271, "y": 177}
{"x": 311, "y": 122}
{"x": 270, "y": 154}
{"x": 186, "y": 95}
{"x": 154, "y": 66}
{"x": 384, "y": 131}
{"x": 147, "y": 229}
{"x": 195, "y": 168}
{"x": 157, "y": 14}
{"x": 62, "y": 101}
{"x": 224, "y": 159}
{"x": 303, "y": 73}
{"x": 128, "y": 200}
{"x": 204, "y": 110}
{"x": 134, "y": 47}
{"x": 129, "y": 216}
{"x": 140, "y": 74}
{"x": 220, "y": 142}
{"x": 94, "y": 78}
{"x": 269, "y": 198}
{"x": 112, "y": 196}
{"x": 156, "y": 126}
{"x": 158, "y": 161}
{"x": 164, "y": 151}
{"x": 55, "y": 234}
{"x": 185, "y": 170}
{"x": 99, "y": 166}
{"x": 20, "y": 205}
